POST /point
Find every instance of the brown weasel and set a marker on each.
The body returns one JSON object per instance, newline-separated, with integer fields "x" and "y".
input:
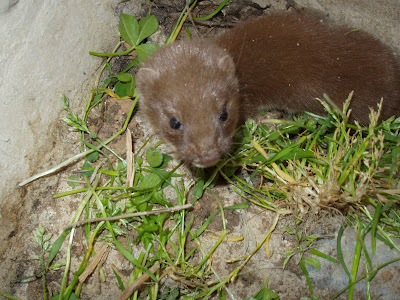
{"x": 194, "y": 93}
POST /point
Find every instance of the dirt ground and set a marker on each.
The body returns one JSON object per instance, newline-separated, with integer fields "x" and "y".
{"x": 45, "y": 53}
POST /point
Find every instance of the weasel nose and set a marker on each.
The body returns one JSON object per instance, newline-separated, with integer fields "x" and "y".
{"x": 207, "y": 159}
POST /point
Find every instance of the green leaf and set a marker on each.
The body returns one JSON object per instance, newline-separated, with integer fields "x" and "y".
{"x": 39, "y": 235}
{"x": 119, "y": 280}
{"x": 123, "y": 89}
{"x": 282, "y": 155}
{"x": 305, "y": 272}
{"x": 212, "y": 14}
{"x": 160, "y": 219}
{"x": 243, "y": 205}
{"x": 324, "y": 256}
{"x": 125, "y": 77}
{"x": 47, "y": 237}
{"x": 290, "y": 231}
{"x": 313, "y": 262}
{"x": 150, "y": 181}
{"x": 310, "y": 239}
{"x": 92, "y": 157}
{"x": 199, "y": 188}
{"x": 265, "y": 294}
{"x": 134, "y": 32}
{"x": 288, "y": 254}
{"x": 41, "y": 230}
{"x": 166, "y": 160}
{"x": 87, "y": 166}
{"x": 129, "y": 29}
{"x": 339, "y": 249}
{"x": 145, "y": 50}
{"x": 377, "y": 215}
{"x": 56, "y": 246}
{"x": 174, "y": 294}
{"x": 74, "y": 178}
{"x": 205, "y": 225}
{"x": 57, "y": 265}
{"x": 154, "y": 157}
{"x": 159, "y": 198}
{"x": 147, "y": 26}
{"x": 149, "y": 226}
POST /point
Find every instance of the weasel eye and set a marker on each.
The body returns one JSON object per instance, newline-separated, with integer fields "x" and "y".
{"x": 223, "y": 116}
{"x": 175, "y": 124}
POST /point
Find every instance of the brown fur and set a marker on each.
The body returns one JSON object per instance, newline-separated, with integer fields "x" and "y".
{"x": 280, "y": 61}
{"x": 192, "y": 82}
{"x": 284, "y": 61}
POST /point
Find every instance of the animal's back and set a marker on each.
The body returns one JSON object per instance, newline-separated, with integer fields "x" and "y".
{"x": 286, "y": 60}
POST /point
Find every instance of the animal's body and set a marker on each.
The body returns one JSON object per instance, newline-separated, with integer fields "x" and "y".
{"x": 194, "y": 93}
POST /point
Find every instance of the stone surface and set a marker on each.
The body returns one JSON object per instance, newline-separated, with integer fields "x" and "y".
{"x": 43, "y": 53}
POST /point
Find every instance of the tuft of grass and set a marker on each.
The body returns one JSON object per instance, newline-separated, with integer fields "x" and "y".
{"x": 324, "y": 163}
{"x": 309, "y": 164}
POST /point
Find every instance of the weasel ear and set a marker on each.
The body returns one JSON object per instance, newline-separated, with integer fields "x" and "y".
{"x": 147, "y": 74}
{"x": 226, "y": 64}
